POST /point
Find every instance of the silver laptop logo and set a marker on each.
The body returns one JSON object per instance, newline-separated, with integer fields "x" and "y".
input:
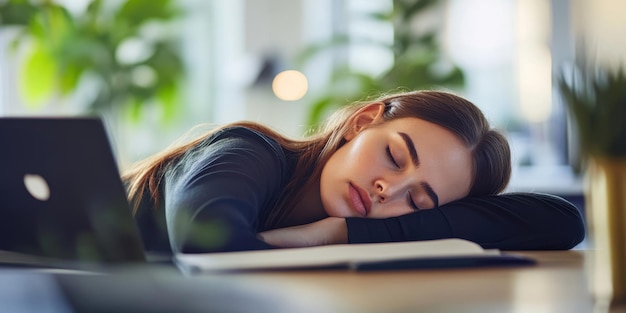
{"x": 37, "y": 187}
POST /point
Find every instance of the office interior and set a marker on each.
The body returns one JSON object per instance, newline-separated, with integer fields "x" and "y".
{"x": 510, "y": 53}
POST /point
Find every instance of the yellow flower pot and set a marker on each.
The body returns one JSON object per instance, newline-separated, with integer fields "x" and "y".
{"x": 605, "y": 194}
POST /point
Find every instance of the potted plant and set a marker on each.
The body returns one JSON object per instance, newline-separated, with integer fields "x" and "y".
{"x": 417, "y": 56}
{"x": 119, "y": 49}
{"x": 596, "y": 99}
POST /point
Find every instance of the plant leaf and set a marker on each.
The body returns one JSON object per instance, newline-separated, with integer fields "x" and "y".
{"x": 598, "y": 107}
{"x": 318, "y": 109}
{"x": 69, "y": 77}
{"x": 37, "y": 77}
{"x": 16, "y": 12}
{"x": 168, "y": 97}
{"x": 138, "y": 12}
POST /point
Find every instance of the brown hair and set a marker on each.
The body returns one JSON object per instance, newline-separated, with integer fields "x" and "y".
{"x": 490, "y": 151}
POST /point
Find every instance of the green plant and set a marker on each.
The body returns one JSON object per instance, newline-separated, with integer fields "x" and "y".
{"x": 416, "y": 56}
{"x": 64, "y": 50}
{"x": 596, "y": 100}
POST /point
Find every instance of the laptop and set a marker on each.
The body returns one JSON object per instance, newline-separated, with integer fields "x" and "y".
{"x": 61, "y": 196}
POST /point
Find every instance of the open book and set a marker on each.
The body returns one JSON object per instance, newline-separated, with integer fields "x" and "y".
{"x": 443, "y": 253}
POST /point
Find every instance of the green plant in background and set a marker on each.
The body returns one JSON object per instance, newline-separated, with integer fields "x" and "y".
{"x": 121, "y": 50}
{"x": 596, "y": 99}
{"x": 416, "y": 60}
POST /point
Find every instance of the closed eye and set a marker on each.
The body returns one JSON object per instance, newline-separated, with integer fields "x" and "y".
{"x": 391, "y": 158}
{"x": 411, "y": 203}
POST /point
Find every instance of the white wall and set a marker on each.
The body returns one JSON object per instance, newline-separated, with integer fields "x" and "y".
{"x": 602, "y": 25}
{"x": 274, "y": 29}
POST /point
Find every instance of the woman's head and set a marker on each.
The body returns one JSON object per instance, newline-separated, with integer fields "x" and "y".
{"x": 453, "y": 127}
{"x": 372, "y": 148}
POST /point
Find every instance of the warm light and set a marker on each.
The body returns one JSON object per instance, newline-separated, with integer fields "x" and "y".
{"x": 535, "y": 84}
{"x": 478, "y": 32}
{"x": 290, "y": 85}
{"x": 534, "y": 60}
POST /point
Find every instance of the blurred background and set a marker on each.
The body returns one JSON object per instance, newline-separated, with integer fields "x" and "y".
{"x": 153, "y": 69}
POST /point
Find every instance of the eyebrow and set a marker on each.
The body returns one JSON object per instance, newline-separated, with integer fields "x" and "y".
{"x": 416, "y": 161}
{"x": 409, "y": 144}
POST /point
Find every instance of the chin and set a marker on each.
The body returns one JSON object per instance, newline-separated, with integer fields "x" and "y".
{"x": 337, "y": 212}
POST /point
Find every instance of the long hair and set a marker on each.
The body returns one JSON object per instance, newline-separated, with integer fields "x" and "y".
{"x": 490, "y": 151}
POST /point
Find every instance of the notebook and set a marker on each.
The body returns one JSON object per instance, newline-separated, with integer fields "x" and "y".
{"x": 61, "y": 196}
{"x": 427, "y": 254}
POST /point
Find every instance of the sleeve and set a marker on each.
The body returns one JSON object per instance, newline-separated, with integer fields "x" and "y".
{"x": 214, "y": 197}
{"x": 514, "y": 221}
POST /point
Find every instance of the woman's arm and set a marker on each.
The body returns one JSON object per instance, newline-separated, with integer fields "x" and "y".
{"x": 514, "y": 221}
{"x": 215, "y": 196}
{"x": 328, "y": 231}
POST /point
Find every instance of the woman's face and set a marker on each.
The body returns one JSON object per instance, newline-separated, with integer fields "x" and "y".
{"x": 394, "y": 168}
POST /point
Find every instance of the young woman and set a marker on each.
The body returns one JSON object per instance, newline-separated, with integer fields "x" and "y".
{"x": 411, "y": 166}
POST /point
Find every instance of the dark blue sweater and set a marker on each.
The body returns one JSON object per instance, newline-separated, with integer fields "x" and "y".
{"x": 218, "y": 195}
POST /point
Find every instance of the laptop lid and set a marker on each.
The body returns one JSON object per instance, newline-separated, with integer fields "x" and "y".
{"x": 61, "y": 195}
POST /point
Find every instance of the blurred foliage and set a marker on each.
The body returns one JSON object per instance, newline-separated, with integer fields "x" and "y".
{"x": 416, "y": 61}
{"x": 596, "y": 99}
{"x": 65, "y": 50}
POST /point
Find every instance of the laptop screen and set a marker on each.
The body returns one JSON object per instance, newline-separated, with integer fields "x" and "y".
{"x": 61, "y": 195}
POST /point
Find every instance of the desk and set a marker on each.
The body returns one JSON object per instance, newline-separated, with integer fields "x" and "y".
{"x": 556, "y": 284}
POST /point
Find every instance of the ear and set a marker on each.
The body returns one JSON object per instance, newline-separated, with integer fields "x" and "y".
{"x": 368, "y": 115}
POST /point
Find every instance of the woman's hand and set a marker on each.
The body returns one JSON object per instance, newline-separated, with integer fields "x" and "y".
{"x": 331, "y": 230}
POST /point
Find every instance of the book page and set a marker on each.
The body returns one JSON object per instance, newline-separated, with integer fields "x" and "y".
{"x": 329, "y": 255}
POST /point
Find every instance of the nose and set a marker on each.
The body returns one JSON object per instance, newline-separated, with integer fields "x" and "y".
{"x": 379, "y": 191}
{"x": 386, "y": 190}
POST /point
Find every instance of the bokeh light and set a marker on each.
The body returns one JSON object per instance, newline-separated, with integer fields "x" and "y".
{"x": 290, "y": 85}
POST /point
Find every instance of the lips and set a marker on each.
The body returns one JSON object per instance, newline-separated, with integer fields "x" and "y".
{"x": 360, "y": 200}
